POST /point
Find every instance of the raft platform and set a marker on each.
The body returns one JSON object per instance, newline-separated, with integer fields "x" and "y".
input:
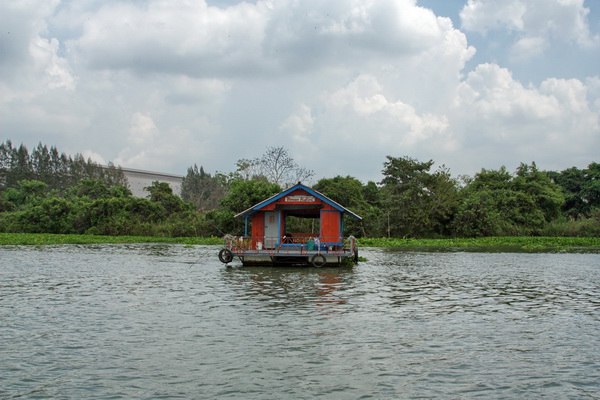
{"x": 299, "y": 251}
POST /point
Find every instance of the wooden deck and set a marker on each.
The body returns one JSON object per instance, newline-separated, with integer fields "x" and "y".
{"x": 302, "y": 251}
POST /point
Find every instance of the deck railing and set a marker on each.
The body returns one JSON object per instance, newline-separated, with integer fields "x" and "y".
{"x": 294, "y": 243}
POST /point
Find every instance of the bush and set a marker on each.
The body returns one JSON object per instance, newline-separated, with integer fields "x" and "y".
{"x": 52, "y": 215}
{"x": 584, "y": 227}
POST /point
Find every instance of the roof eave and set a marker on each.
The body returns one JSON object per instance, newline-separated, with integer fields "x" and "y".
{"x": 255, "y": 208}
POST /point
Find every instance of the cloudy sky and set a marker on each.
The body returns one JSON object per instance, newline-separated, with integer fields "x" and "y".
{"x": 162, "y": 85}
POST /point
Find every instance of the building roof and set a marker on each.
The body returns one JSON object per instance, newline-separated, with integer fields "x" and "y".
{"x": 323, "y": 198}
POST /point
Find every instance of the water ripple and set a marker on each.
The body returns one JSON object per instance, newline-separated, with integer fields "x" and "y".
{"x": 170, "y": 321}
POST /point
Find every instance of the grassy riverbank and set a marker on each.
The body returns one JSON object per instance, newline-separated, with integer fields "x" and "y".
{"x": 54, "y": 239}
{"x": 520, "y": 242}
{"x": 504, "y": 242}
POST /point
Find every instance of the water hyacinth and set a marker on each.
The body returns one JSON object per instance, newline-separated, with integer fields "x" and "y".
{"x": 571, "y": 244}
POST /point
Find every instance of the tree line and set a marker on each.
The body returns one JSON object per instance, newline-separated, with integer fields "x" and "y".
{"x": 58, "y": 170}
{"x": 413, "y": 199}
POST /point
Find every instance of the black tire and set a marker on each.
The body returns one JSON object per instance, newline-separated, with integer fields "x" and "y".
{"x": 318, "y": 260}
{"x": 225, "y": 256}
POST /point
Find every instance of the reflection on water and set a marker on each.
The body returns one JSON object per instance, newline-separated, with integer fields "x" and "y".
{"x": 167, "y": 321}
{"x": 290, "y": 288}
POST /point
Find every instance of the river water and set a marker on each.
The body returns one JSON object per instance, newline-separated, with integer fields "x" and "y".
{"x": 172, "y": 322}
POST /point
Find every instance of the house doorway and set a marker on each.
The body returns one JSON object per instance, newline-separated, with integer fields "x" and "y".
{"x": 271, "y": 229}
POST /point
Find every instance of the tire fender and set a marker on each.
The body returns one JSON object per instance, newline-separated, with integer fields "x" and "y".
{"x": 318, "y": 260}
{"x": 225, "y": 256}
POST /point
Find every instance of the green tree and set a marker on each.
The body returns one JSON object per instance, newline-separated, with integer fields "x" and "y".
{"x": 113, "y": 176}
{"x": 5, "y": 161}
{"x": 41, "y": 163}
{"x": 26, "y": 194}
{"x": 59, "y": 165}
{"x": 572, "y": 181}
{"x": 347, "y": 191}
{"x": 581, "y": 189}
{"x": 360, "y": 199}
{"x": 201, "y": 189}
{"x": 55, "y": 169}
{"x": 591, "y": 188}
{"x": 93, "y": 207}
{"x": 161, "y": 192}
{"x": 418, "y": 202}
{"x": 91, "y": 188}
{"x": 53, "y": 215}
{"x": 479, "y": 215}
{"x": 242, "y": 194}
{"x": 20, "y": 166}
{"x": 497, "y": 203}
{"x": 547, "y": 195}
{"x": 120, "y": 191}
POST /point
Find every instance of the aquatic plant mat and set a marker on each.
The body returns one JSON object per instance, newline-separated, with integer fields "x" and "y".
{"x": 522, "y": 243}
{"x": 53, "y": 239}
{"x": 504, "y": 243}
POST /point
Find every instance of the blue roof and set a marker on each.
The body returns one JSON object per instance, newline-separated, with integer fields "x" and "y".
{"x": 299, "y": 185}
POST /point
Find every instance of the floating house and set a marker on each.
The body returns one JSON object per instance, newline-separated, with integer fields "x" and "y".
{"x": 267, "y": 239}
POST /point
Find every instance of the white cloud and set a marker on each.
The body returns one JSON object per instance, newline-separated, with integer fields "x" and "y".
{"x": 483, "y": 16}
{"x": 537, "y": 23}
{"x": 491, "y": 92}
{"x": 365, "y": 125}
{"x": 527, "y": 47}
{"x": 29, "y": 63}
{"x": 95, "y": 157}
{"x": 143, "y": 130}
{"x": 254, "y": 39}
{"x": 180, "y": 38}
{"x": 45, "y": 58}
{"x": 149, "y": 147}
{"x": 593, "y": 85}
{"x": 163, "y": 85}
{"x": 299, "y": 123}
{"x": 548, "y": 123}
{"x": 339, "y": 29}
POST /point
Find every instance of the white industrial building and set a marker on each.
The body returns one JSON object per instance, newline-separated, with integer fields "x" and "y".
{"x": 139, "y": 179}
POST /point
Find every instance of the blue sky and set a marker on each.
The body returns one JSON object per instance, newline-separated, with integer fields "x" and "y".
{"x": 163, "y": 85}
